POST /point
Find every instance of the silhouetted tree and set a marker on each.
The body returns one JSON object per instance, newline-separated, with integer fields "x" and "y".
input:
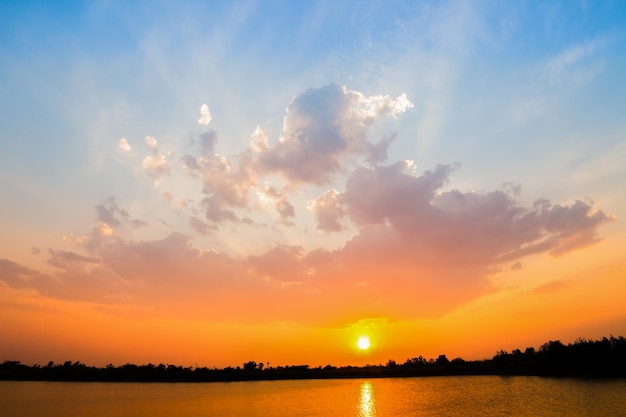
{"x": 416, "y": 362}
{"x": 457, "y": 361}
{"x": 442, "y": 360}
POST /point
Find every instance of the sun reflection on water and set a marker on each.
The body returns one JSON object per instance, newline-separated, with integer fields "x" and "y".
{"x": 367, "y": 404}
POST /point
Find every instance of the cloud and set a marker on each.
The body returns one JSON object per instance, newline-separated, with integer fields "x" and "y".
{"x": 16, "y": 275}
{"x": 138, "y": 223}
{"x": 483, "y": 229}
{"x": 259, "y": 140}
{"x": 328, "y": 211}
{"x": 216, "y": 211}
{"x": 151, "y": 142}
{"x": 111, "y": 215}
{"x": 283, "y": 263}
{"x": 270, "y": 196}
{"x": 419, "y": 247}
{"x": 572, "y": 55}
{"x": 208, "y": 141}
{"x": 69, "y": 260}
{"x": 322, "y": 127}
{"x": 72, "y": 282}
{"x": 156, "y": 165}
{"x": 190, "y": 165}
{"x": 201, "y": 227}
{"x": 419, "y": 252}
{"x": 124, "y": 146}
{"x": 549, "y": 287}
{"x": 377, "y": 152}
{"x": 576, "y": 62}
{"x": 225, "y": 185}
{"x": 220, "y": 180}
{"x": 205, "y": 115}
{"x": 108, "y": 210}
{"x": 97, "y": 238}
{"x": 173, "y": 200}
{"x": 391, "y": 193}
{"x": 286, "y": 211}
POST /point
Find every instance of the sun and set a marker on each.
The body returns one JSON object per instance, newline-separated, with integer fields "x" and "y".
{"x": 363, "y": 343}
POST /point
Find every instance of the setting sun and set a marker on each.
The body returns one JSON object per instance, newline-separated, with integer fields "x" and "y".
{"x": 363, "y": 343}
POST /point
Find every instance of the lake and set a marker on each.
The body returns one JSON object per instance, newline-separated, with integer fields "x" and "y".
{"x": 430, "y": 396}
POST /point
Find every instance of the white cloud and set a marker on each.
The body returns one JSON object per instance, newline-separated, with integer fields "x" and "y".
{"x": 205, "y": 115}
{"x": 124, "y": 146}
{"x": 377, "y": 106}
{"x": 151, "y": 142}
{"x": 156, "y": 165}
{"x": 259, "y": 140}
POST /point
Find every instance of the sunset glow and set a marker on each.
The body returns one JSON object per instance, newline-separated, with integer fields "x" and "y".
{"x": 311, "y": 183}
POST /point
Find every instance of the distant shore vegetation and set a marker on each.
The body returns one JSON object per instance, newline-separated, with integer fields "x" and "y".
{"x": 604, "y": 358}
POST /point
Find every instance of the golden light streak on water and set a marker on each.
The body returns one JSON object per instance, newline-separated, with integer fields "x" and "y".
{"x": 367, "y": 404}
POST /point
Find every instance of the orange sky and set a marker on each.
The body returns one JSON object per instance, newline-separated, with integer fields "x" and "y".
{"x": 551, "y": 298}
{"x": 182, "y": 191}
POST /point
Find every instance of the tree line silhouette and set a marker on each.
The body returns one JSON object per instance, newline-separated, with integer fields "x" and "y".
{"x": 605, "y": 358}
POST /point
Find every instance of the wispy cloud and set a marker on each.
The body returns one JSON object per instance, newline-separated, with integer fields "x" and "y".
{"x": 550, "y": 287}
{"x": 578, "y": 62}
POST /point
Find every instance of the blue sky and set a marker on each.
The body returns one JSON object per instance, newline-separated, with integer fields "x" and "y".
{"x": 74, "y": 63}
{"x": 523, "y": 98}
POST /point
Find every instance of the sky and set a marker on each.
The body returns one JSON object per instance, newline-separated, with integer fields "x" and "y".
{"x": 209, "y": 183}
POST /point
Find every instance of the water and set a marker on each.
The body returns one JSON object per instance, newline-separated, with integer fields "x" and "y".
{"x": 435, "y": 396}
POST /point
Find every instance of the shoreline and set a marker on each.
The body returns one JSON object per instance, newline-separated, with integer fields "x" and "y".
{"x": 173, "y": 374}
